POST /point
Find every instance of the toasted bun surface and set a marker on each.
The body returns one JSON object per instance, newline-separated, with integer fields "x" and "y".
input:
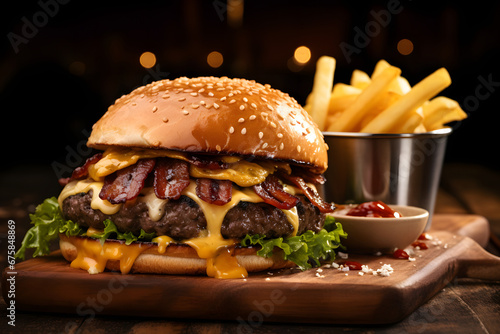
{"x": 215, "y": 116}
{"x": 179, "y": 259}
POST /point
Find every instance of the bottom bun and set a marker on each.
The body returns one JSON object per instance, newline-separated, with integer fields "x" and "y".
{"x": 178, "y": 259}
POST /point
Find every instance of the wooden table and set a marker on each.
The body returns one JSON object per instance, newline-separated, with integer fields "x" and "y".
{"x": 465, "y": 305}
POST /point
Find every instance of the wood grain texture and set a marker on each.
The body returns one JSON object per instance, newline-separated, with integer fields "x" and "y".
{"x": 328, "y": 296}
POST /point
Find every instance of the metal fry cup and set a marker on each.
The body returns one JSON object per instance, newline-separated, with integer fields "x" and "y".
{"x": 401, "y": 169}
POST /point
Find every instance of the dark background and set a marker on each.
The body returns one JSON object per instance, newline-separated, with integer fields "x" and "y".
{"x": 85, "y": 54}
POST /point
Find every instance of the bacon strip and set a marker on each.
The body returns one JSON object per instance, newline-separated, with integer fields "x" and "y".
{"x": 218, "y": 192}
{"x": 308, "y": 176}
{"x": 82, "y": 171}
{"x": 126, "y": 184}
{"x": 272, "y": 192}
{"x": 310, "y": 193}
{"x": 171, "y": 178}
{"x": 207, "y": 163}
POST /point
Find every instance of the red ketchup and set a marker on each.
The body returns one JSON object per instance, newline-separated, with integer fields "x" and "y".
{"x": 400, "y": 254}
{"x": 353, "y": 265}
{"x": 376, "y": 209}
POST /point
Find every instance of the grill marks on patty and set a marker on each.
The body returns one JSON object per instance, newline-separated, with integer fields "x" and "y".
{"x": 183, "y": 218}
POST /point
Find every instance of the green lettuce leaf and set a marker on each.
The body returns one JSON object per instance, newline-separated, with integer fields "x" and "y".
{"x": 47, "y": 223}
{"x": 303, "y": 249}
{"x": 110, "y": 229}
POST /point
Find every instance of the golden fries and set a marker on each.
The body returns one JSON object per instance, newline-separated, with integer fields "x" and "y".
{"x": 398, "y": 112}
{"x": 350, "y": 118}
{"x": 384, "y": 102}
{"x": 322, "y": 89}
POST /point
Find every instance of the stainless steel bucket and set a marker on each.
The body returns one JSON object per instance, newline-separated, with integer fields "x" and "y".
{"x": 402, "y": 169}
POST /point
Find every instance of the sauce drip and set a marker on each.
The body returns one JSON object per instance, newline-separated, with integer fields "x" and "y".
{"x": 400, "y": 254}
{"x": 375, "y": 209}
{"x": 224, "y": 265}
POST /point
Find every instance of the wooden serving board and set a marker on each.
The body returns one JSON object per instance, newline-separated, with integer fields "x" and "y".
{"x": 316, "y": 296}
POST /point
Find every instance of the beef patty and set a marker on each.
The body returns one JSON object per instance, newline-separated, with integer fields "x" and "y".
{"x": 183, "y": 218}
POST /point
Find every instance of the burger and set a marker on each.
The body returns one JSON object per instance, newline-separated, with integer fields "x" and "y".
{"x": 203, "y": 175}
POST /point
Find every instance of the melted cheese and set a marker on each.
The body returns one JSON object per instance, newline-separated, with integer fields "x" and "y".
{"x": 163, "y": 241}
{"x": 208, "y": 244}
{"x": 92, "y": 256}
{"x": 224, "y": 265}
{"x": 115, "y": 159}
{"x": 84, "y": 186}
{"x": 243, "y": 173}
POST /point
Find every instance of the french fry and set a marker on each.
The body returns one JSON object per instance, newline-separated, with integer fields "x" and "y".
{"x": 322, "y": 89}
{"x": 441, "y": 110}
{"x": 350, "y": 119}
{"x": 409, "y": 123}
{"x": 400, "y": 86}
{"x": 385, "y": 101}
{"x": 380, "y": 67}
{"x": 421, "y": 92}
{"x": 341, "y": 89}
{"x": 360, "y": 79}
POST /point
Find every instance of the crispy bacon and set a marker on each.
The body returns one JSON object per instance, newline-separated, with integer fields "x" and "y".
{"x": 308, "y": 176}
{"x": 171, "y": 178}
{"x": 127, "y": 183}
{"x": 82, "y": 171}
{"x": 272, "y": 192}
{"x": 207, "y": 163}
{"x": 310, "y": 193}
{"x": 218, "y": 192}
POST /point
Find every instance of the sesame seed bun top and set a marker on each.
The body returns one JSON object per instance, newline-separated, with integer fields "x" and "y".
{"x": 213, "y": 116}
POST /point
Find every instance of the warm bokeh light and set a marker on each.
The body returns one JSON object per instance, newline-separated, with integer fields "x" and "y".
{"x": 77, "y": 68}
{"x": 302, "y": 54}
{"x": 215, "y": 59}
{"x": 147, "y": 59}
{"x": 405, "y": 47}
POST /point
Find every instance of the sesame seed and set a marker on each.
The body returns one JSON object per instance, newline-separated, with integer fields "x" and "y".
{"x": 210, "y": 94}
{"x": 264, "y": 145}
{"x": 220, "y": 89}
{"x": 298, "y": 148}
{"x": 134, "y": 104}
{"x": 231, "y": 130}
{"x": 280, "y": 135}
{"x": 270, "y": 107}
{"x": 230, "y": 94}
{"x": 232, "y": 101}
{"x": 165, "y": 96}
{"x": 253, "y": 105}
{"x": 185, "y": 112}
{"x": 241, "y": 120}
{"x": 261, "y": 134}
{"x": 194, "y": 94}
{"x": 223, "y": 99}
{"x": 201, "y": 90}
{"x": 165, "y": 119}
{"x": 263, "y": 99}
{"x": 217, "y": 147}
{"x": 242, "y": 107}
{"x": 202, "y": 103}
{"x": 182, "y": 99}
{"x": 273, "y": 124}
{"x": 243, "y": 131}
{"x": 195, "y": 106}
{"x": 282, "y": 146}
{"x": 245, "y": 99}
{"x": 252, "y": 117}
{"x": 216, "y": 106}
{"x": 142, "y": 96}
{"x": 155, "y": 108}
